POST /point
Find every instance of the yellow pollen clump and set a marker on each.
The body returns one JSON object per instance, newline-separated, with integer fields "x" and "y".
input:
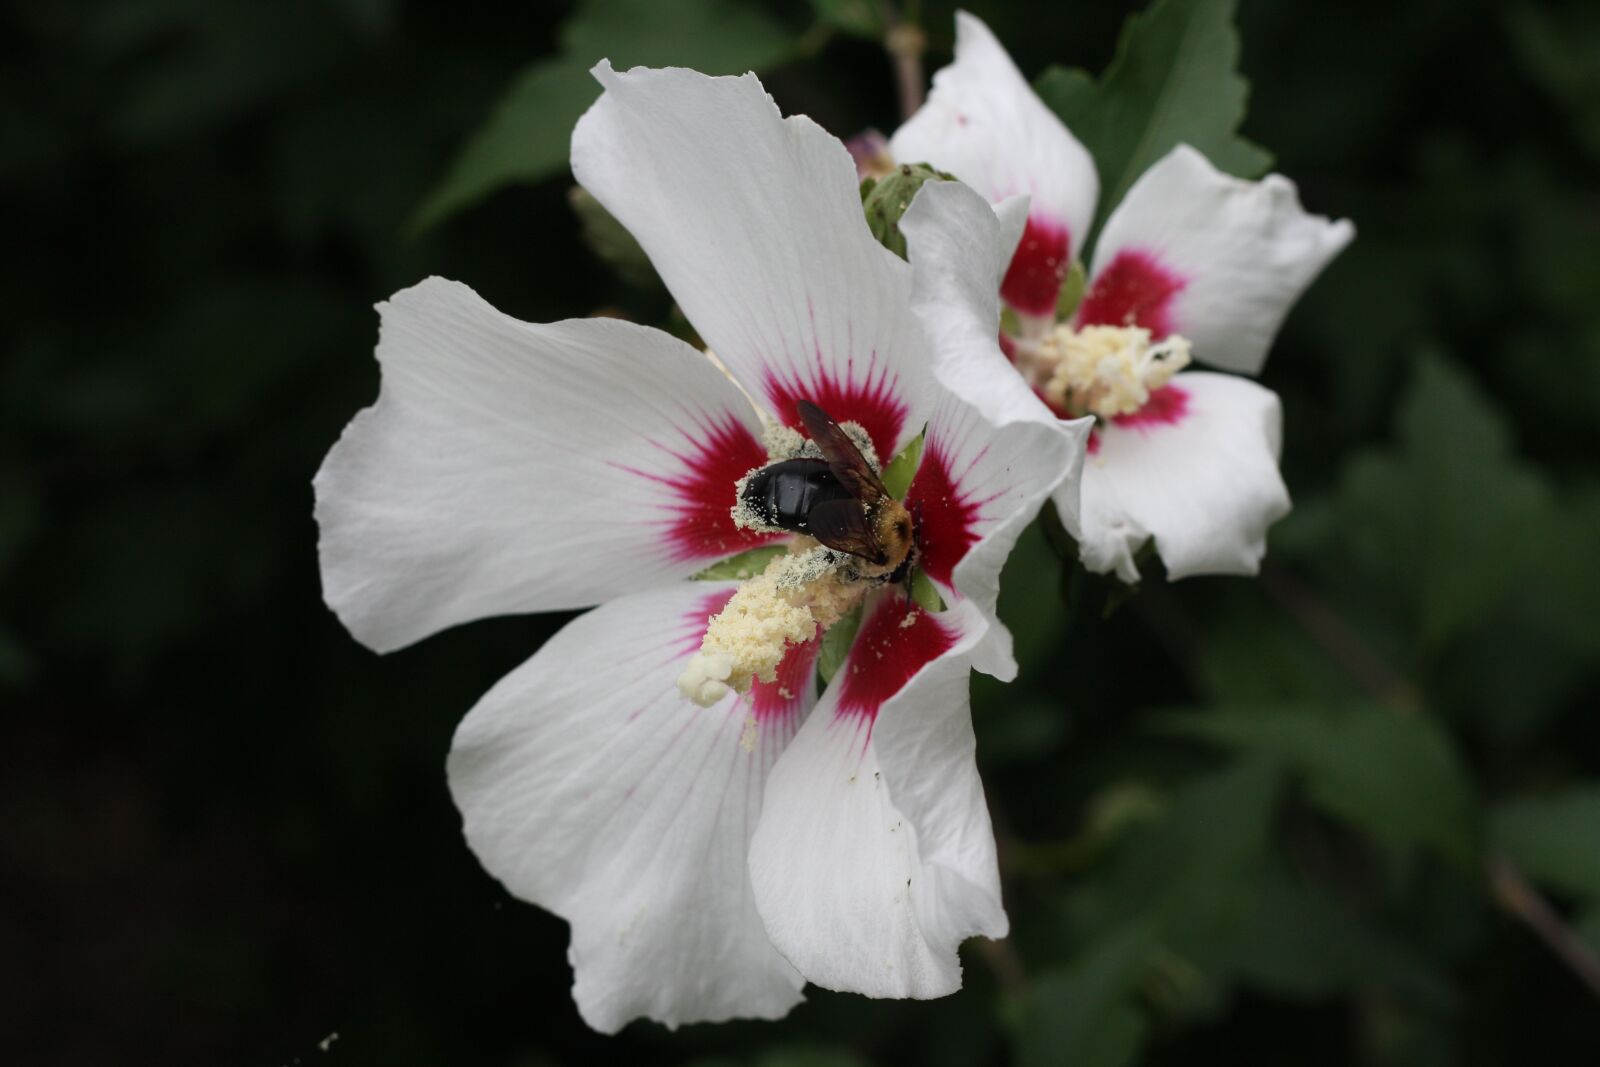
{"x": 786, "y": 604}
{"x": 1106, "y": 370}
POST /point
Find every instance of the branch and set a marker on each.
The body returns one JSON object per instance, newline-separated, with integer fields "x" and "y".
{"x": 1519, "y": 899}
{"x": 1509, "y": 888}
{"x": 1338, "y": 639}
{"x": 905, "y": 42}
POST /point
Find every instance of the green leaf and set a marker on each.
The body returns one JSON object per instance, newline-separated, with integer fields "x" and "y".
{"x": 611, "y": 242}
{"x": 744, "y": 565}
{"x": 1086, "y": 1015}
{"x": 858, "y": 18}
{"x": 1188, "y": 871}
{"x": 1557, "y": 49}
{"x": 902, "y": 468}
{"x": 1398, "y": 777}
{"x": 836, "y": 644}
{"x": 528, "y": 133}
{"x": 809, "y": 1056}
{"x": 1173, "y": 81}
{"x": 1249, "y": 657}
{"x": 1555, "y": 840}
{"x": 1445, "y": 520}
{"x": 1304, "y": 941}
{"x": 790, "y": 1056}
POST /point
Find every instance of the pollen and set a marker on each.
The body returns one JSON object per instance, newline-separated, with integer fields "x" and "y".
{"x": 1105, "y": 370}
{"x": 798, "y": 595}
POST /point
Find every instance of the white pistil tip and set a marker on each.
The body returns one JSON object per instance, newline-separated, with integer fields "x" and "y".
{"x": 705, "y": 679}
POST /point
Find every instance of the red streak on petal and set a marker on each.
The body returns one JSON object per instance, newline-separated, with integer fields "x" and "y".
{"x": 1134, "y": 289}
{"x": 1093, "y": 447}
{"x": 768, "y": 700}
{"x": 869, "y": 400}
{"x": 1167, "y": 406}
{"x": 1032, "y": 283}
{"x": 702, "y": 524}
{"x": 946, "y": 517}
{"x": 886, "y": 654}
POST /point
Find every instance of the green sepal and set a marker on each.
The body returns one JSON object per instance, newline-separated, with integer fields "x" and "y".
{"x": 924, "y": 593}
{"x": 889, "y": 198}
{"x": 1072, "y": 290}
{"x": 1009, "y": 323}
{"x": 744, "y": 566}
{"x": 836, "y": 644}
{"x": 903, "y": 467}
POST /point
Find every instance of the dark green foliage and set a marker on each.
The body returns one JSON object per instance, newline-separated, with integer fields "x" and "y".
{"x": 1241, "y": 821}
{"x": 1174, "y": 80}
{"x": 526, "y": 137}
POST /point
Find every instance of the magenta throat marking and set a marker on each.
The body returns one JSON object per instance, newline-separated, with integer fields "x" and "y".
{"x": 1134, "y": 289}
{"x": 1032, "y": 283}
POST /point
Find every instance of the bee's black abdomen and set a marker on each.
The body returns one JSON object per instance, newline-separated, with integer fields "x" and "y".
{"x": 783, "y": 493}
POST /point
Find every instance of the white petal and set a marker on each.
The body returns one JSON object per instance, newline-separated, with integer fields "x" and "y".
{"x": 1197, "y": 470}
{"x": 995, "y": 453}
{"x": 1220, "y": 260}
{"x": 959, "y": 247}
{"x": 589, "y": 787}
{"x": 510, "y": 467}
{"x": 977, "y": 488}
{"x": 984, "y": 124}
{"x": 754, "y": 222}
{"x": 858, "y": 892}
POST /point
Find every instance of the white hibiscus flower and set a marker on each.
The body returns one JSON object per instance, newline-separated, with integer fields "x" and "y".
{"x": 1192, "y": 263}
{"x": 709, "y": 859}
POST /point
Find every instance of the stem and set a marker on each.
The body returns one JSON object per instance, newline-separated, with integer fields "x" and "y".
{"x": 905, "y": 42}
{"x": 1518, "y": 898}
{"x": 1508, "y": 887}
{"x": 1002, "y": 957}
{"x": 1338, "y": 639}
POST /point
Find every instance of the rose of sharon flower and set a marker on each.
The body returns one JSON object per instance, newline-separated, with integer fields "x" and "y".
{"x": 710, "y": 859}
{"x": 1193, "y": 264}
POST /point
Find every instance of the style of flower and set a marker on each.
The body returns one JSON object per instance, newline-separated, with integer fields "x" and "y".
{"x": 710, "y": 859}
{"x": 1192, "y": 263}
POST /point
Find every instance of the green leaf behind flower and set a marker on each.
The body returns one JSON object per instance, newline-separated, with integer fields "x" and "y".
{"x": 528, "y": 133}
{"x": 744, "y": 565}
{"x": 1398, "y": 777}
{"x": 1174, "y": 80}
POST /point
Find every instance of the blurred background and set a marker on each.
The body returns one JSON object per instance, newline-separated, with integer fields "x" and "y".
{"x": 1345, "y": 814}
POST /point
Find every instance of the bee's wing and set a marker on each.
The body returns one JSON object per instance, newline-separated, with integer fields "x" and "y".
{"x": 844, "y": 458}
{"x": 842, "y": 525}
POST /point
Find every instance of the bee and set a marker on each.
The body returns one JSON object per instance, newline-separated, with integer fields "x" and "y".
{"x": 837, "y": 499}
